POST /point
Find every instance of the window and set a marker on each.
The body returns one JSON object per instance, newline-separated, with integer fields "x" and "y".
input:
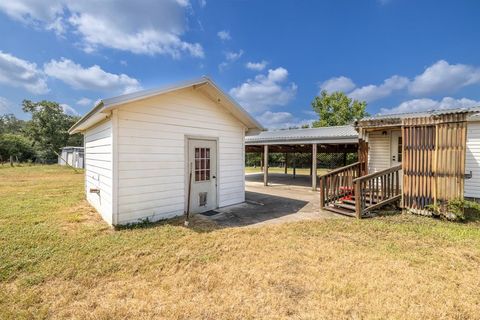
{"x": 202, "y": 164}
{"x": 399, "y": 151}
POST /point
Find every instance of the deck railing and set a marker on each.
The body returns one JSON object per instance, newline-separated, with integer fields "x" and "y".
{"x": 338, "y": 184}
{"x": 377, "y": 189}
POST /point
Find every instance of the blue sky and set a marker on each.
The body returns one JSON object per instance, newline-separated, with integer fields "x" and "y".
{"x": 272, "y": 56}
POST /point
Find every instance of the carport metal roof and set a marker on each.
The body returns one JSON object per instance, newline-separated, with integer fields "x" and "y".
{"x": 340, "y": 139}
{"x": 324, "y": 135}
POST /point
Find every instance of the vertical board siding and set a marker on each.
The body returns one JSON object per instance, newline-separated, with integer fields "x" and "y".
{"x": 151, "y": 159}
{"x": 378, "y": 151}
{"x": 98, "y": 168}
{"x": 472, "y": 163}
{"x": 434, "y": 160}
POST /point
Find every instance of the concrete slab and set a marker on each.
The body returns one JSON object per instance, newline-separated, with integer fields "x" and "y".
{"x": 285, "y": 199}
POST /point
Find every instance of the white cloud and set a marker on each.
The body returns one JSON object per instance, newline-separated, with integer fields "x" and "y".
{"x": 92, "y": 78}
{"x": 372, "y": 92}
{"x": 257, "y": 66}
{"x": 230, "y": 57}
{"x": 202, "y": 3}
{"x": 282, "y": 120}
{"x": 146, "y": 27}
{"x": 21, "y": 73}
{"x": 265, "y": 91}
{"x": 442, "y": 77}
{"x": 84, "y": 102}
{"x": 416, "y": 105}
{"x": 69, "y": 110}
{"x": 5, "y": 106}
{"x": 342, "y": 84}
{"x": 439, "y": 78}
{"x": 224, "y": 35}
{"x": 233, "y": 56}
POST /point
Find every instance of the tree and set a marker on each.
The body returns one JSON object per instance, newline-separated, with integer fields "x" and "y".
{"x": 337, "y": 109}
{"x": 15, "y": 146}
{"x": 10, "y": 124}
{"x": 49, "y": 128}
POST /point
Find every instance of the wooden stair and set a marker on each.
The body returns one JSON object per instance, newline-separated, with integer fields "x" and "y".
{"x": 346, "y": 207}
{"x": 345, "y": 191}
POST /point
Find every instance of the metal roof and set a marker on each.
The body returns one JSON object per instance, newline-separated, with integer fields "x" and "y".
{"x": 421, "y": 113}
{"x": 326, "y": 135}
{"x": 103, "y": 107}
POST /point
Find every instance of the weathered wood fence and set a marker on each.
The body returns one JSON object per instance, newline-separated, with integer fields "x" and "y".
{"x": 434, "y": 160}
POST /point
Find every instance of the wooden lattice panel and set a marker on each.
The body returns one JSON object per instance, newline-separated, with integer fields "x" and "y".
{"x": 434, "y": 159}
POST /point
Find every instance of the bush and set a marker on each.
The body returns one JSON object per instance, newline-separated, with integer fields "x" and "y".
{"x": 454, "y": 209}
{"x": 17, "y": 146}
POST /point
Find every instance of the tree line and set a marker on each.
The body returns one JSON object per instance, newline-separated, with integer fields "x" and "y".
{"x": 40, "y": 138}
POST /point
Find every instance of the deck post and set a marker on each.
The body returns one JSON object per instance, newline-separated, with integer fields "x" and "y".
{"x": 322, "y": 192}
{"x": 314, "y": 167}
{"x": 358, "y": 200}
{"x": 265, "y": 165}
{"x": 286, "y": 162}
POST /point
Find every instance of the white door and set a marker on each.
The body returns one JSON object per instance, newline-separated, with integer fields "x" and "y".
{"x": 396, "y": 145}
{"x": 202, "y": 163}
{"x": 396, "y": 152}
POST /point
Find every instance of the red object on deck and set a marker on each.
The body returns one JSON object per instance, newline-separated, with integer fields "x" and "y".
{"x": 346, "y": 190}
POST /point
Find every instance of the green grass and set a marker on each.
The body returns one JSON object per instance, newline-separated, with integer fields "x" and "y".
{"x": 299, "y": 171}
{"x": 58, "y": 259}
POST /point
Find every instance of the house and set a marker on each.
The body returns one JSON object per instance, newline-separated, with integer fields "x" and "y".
{"x": 415, "y": 159}
{"x": 142, "y": 148}
{"x": 72, "y": 156}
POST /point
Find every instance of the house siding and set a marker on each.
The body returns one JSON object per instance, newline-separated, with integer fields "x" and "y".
{"x": 98, "y": 168}
{"x": 151, "y": 146}
{"x": 472, "y": 160}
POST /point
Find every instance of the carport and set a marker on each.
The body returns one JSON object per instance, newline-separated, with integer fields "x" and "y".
{"x": 339, "y": 139}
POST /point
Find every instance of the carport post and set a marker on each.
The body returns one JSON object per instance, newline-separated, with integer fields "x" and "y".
{"x": 286, "y": 162}
{"x": 265, "y": 165}
{"x": 294, "y": 165}
{"x": 314, "y": 167}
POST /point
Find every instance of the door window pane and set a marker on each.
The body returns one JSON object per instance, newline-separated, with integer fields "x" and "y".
{"x": 202, "y": 164}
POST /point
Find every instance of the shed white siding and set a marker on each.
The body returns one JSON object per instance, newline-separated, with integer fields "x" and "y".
{"x": 472, "y": 162}
{"x": 98, "y": 168}
{"x": 379, "y": 151}
{"x": 151, "y": 146}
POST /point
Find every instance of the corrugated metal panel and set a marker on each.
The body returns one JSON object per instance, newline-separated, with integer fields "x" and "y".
{"x": 347, "y": 133}
{"x": 420, "y": 114}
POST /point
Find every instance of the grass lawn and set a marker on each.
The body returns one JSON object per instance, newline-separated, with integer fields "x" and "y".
{"x": 299, "y": 171}
{"x": 59, "y": 260}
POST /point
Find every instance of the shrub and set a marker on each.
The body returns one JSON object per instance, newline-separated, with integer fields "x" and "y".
{"x": 454, "y": 209}
{"x": 17, "y": 146}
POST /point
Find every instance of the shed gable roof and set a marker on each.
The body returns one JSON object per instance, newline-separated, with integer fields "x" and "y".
{"x": 206, "y": 85}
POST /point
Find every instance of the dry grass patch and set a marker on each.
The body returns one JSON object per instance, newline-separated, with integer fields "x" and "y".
{"x": 59, "y": 260}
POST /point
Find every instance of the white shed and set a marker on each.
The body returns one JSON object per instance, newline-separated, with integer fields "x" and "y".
{"x": 140, "y": 149}
{"x": 71, "y": 155}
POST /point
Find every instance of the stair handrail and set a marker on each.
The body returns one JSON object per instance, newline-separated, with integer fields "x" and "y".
{"x": 389, "y": 184}
{"x": 328, "y": 187}
{"x": 378, "y": 173}
{"x": 341, "y": 169}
